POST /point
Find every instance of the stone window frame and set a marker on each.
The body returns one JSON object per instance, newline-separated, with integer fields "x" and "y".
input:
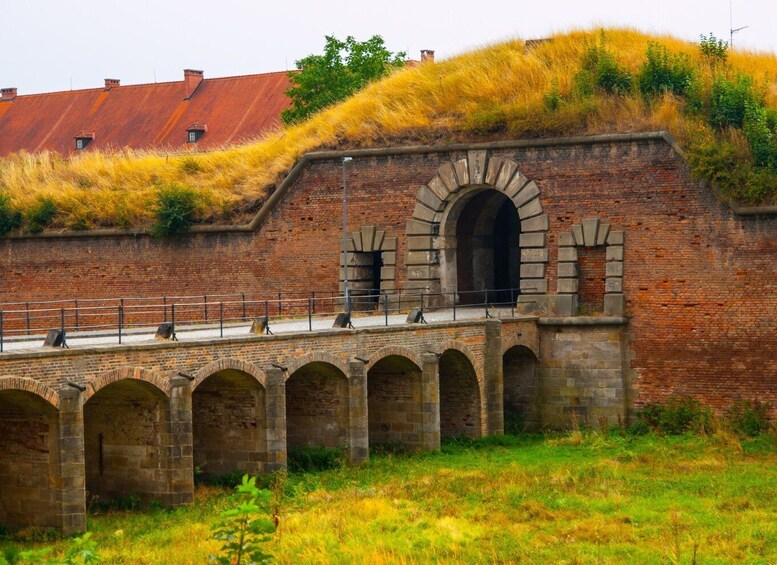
{"x": 427, "y": 253}
{"x": 369, "y": 239}
{"x": 591, "y": 232}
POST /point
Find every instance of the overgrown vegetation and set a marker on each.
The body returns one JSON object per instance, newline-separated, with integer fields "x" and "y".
{"x": 175, "y": 210}
{"x": 585, "y": 496}
{"x": 314, "y": 458}
{"x": 719, "y": 105}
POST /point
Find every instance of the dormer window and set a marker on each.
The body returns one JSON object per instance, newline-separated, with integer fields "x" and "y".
{"x": 83, "y": 139}
{"x": 196, "y": 131}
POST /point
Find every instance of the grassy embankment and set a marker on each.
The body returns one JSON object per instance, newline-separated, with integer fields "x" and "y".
{"x": 499, "y": 91}
{"x": 567, "y": 499}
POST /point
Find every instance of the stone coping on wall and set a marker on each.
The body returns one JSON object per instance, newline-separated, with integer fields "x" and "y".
{"x": 583, "y": 321}
{"x": 249, "y": 338}
{"x": 288, "y": 181}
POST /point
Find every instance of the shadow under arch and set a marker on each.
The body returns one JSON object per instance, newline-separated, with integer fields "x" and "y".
{"x": 229, "y": 419}
{"x": 395, "y": 403}
{"x": 521, "y": 391}
{"x": 461, "y": 408}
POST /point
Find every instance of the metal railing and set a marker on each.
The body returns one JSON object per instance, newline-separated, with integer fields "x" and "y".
{"x": 122, "y": 317}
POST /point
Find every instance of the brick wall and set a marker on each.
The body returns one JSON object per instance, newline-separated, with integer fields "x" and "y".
{"x": 698, "y": 279}
{"x": 394, "y": 403}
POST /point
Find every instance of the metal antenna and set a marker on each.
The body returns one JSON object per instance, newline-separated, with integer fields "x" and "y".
{"x": 732, "y": 30}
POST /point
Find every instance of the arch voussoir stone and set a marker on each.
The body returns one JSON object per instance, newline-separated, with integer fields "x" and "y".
{"x": 32, "y": 386}
{"x": 154, "y": 378}
{"x": 423, "y": 230}
{"x": 229, "y": 364}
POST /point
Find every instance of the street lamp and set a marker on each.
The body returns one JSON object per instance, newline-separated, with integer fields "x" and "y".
{"x": 345, "y": 236}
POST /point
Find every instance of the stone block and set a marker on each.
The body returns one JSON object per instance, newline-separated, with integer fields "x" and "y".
{"x": 388, "y": 273}
{"x": 534, "y": 286}
{"x": 368, "y": 238}
{"x": 477, "y": 165}
{"x": 390, "y": 244}
{"x": 537, "y": 239}
{"x": 614, "y": 253}
{"x": 492, "y": 172}
{"x": 615, "y": 238}
{"x": 530, "y": 209}
{"x": 614, "y": 269}
{"x": 421, "y": 212}
{"x": 577, "y": 234}
{"x": 447, "y": 174}
{"x": 417, "y": 272}
{"x": 462, "y": 173}
{"x": 562, "y": 304}
{"x": 613, "y": 285}
{"x": 601, "y": 236}
{"x": 356, "y": 237}
{"x": 515, "y": 185}
{"x": 418, "y": 242}
{"x": 429, "y": 199}
{"x": 420, "y": 258}
{"x": 506, "y": 172}
{"x": 590, "y": 231}
{"x": 567, "y": 270}
{"x": 567, "y": 286}
{"x": 614, "y": 304}
{"x": 566, "y": 239}
{"x": 567, "y": 254}
{"x": 526, "y": 193}
{"x": 389, "y": 257}
{"x": 535, "y": 255}
{"x": 532, "y": 270}
{"x": 438, "y": 187}
{"x": 537, "y": 223}
{"x": 377, "y": 245}
{"x": 416, "y": 227}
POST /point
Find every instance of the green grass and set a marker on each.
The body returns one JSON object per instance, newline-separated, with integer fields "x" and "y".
{"x": 560, "y": 499}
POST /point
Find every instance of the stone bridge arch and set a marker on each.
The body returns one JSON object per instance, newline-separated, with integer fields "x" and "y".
{"x": 463, "y": 409}
{"x": 229, "y": 419}
{"x": 154, "y": 378}
{"x": 432, "y": 249}
{"x": 39, "y": 389}
{"x": 296, "y": 363}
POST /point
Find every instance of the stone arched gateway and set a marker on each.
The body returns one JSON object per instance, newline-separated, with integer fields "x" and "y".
{"x": 431, "y": 237}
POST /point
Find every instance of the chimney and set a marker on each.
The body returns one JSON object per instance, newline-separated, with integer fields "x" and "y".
{"x": 111, "y": 83}
{"x": 191, "y": 80}
{"x": 8, "y": 94}
{"x": 427, "y": 55}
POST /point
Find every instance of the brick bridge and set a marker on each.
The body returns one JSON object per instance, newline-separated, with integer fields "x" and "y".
{"x": 139, "y": 419}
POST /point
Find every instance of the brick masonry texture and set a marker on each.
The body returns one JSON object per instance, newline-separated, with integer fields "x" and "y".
{"x": 698, "y": 279}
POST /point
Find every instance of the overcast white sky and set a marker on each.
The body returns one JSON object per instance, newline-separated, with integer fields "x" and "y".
{"x": 50, "y": 44}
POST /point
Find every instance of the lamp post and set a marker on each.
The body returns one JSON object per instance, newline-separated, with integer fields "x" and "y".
{"x": 345, "y": 236}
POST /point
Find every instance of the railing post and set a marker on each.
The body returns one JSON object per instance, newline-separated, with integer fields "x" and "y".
{"x": 267, "y": 311}
{"x": 62, "y": 320}
{"x": 244, "y": 305}
{"x": 172, "y": 317}
{"x": 27, "y": 313}
{"x": 205, "y": 302}
{"x": 121, "y": 322}
{"x": 280, "y": 307}
{"x": 385, "y": 305}
{"x": 76, "y": 303}
{"x": 1, "y": 331}
{"x": 455, "y": 299}
{"x": 310, "y": 314}
{"x": 313, "y": 295}
{"x": 422, "y": 302}
{"x": 164, "y": 307}
{"x": 221, "y": 319}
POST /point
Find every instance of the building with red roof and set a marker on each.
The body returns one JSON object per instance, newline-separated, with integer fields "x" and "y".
{"x": 195, "y": 112}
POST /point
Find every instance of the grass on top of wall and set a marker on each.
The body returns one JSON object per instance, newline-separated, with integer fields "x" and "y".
{"x": 502, "y": 91}
{"x": 573, "y": 498}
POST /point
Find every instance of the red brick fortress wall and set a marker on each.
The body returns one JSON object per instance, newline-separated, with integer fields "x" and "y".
{"x": 698, "y": 278}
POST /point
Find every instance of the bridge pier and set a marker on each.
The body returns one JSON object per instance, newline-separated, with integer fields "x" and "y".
{"x": 430, "y": 402}
{"x": 180, "y": 460}
{"x": 275, "y": 395}
{"x": 358, "y": 443}
{"x": 72, "y": 475}
{"x": 493, "y": 372}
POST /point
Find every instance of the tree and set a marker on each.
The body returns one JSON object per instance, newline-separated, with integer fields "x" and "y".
{"x": 343, "y": 68}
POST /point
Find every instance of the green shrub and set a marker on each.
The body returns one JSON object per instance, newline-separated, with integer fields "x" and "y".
{"x": 730, "y": 99}
{"x": 41, "y": 214}
{"x": 190, "y": 166}
{"x": 230, "y": 480}
{"x": 713, "y": 50}
{"x": 313, "y": 458}
{"x": 10, "y": 219}
{"x": 760, "y": 134}
{"x": 639, "y": 427}
{"x": 601, "y": 71}
{"x": 553, "y": 98}
{"x": 677, "y": 416}
{"x": 245, "y": 527}
{"x": 175, "y": 210}
{"x": 664, "y": 72}
{"x": 515, "y": 422}
{"x": 749, "y": 417}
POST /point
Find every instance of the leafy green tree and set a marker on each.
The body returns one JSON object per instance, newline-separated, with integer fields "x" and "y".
{"x": 343, "y": 68}
{"x": 245, "y": 527}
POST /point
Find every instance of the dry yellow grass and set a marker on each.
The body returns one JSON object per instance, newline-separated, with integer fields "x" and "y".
{"x": 420, "y": 104}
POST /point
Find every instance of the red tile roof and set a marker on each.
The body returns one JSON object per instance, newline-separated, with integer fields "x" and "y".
{"x": 145, "y": 116}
